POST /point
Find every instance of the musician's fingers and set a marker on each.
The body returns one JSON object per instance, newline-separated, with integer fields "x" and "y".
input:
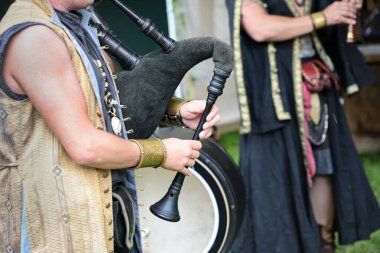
{"x": 346, "y": 8}
{"x": 196, "y": 145}
{"x": 348, "y": 21}
{"x": 348, "y": 15}
{"x": 205, "y": 134}
{"x": 191, "y": 109}
{"x": 185, "y": 171}
{"x": 198, "y": 106}
{"x": 340, "y": 12}
{"x": 181, "y": 153}
{"x": 357, "y": 3}
{"x": 353, "y": 8}
{"x": 212, "y": 122}
{"x": 195, "y": 154}
{"x": 344, "y": 15}
{"x": 213, "y": 113}
{"x": 191, "y": 163}
{"x": 351, "y": 12}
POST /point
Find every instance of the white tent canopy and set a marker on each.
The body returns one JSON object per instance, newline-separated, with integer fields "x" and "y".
{"x": 196, "y": 18}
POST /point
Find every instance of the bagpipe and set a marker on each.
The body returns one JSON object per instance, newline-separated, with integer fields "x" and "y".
{"x": 146, "y": 84}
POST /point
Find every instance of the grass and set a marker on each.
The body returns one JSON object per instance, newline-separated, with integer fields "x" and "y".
{"x": 371, "y": 162}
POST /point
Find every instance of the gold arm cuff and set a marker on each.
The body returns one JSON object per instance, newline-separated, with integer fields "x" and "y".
{"x": 318, "y": 19}
{"x": 153, "y": 152}
{"x": 172, "y": 117}
{"x": 175, "y": 105}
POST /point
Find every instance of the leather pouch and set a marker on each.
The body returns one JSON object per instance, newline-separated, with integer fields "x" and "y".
{"x": 316, "y": 75}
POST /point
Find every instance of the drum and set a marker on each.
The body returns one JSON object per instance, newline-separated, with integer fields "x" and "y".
{"x": 211, "y": 202}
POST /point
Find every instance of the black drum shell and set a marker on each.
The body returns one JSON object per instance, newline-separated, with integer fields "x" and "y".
{"x": 224, "y": 169}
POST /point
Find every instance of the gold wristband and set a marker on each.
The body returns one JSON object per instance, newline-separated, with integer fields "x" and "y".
{"x": 172, "y": 117}
{"x": 153, "y": 152}
{"x": 165, "y": 153}
{"x": 318, "y": 19}
{"x": 175, "y": 105}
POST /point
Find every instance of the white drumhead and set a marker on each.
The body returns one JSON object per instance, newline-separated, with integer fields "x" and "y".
{"x": 197, "y": 229}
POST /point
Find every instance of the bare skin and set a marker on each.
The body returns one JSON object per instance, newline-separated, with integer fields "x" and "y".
{"x": 53, "y": 88}
{"x": 262, "y": 26}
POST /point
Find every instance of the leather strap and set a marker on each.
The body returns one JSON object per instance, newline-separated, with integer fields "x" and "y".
{"x": 124, "y": 217}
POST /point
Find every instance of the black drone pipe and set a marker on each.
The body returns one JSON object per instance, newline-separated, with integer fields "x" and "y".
{"x": 147, "y": 27}
{"x": 147, "y": 88}
{"x": 124, "y": 55}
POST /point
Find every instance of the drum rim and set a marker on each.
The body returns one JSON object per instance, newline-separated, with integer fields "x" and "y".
{"x": 215, "y": 207}
{"x": 227, "y": 174}
{"x": 231, "y": 177}
{"x": 224, "y": 172}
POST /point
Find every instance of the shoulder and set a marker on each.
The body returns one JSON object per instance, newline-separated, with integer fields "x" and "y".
{"x": 35, "y": 36}
{"x": 35, "y": 43}
{"x": 35, "y": 50}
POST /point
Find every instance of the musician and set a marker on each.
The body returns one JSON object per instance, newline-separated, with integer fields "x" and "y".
{"x": 303, "y": 177}
{"x": 61, "y": 133}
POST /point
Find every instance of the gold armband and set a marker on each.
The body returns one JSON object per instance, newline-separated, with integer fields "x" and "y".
{"x": 175, "y": 105}
{"x": 153, "y": 152}
{"x": 172, "y": 115}
{"x": 318, "y": 19}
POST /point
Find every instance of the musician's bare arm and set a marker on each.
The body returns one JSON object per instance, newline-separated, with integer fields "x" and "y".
{"x": 262, "y": 26}
{"x": 46, "y": 75}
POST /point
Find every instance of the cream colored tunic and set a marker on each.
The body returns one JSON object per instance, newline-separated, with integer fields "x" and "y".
{"x": 68, "y": 207}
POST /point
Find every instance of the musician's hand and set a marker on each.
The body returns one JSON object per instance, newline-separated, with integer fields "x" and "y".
{"x": 191, "y": 113}
{"x": 340, "y": 12}
{"x": 358, "y": 3}
{"x": 181, "y": 154}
